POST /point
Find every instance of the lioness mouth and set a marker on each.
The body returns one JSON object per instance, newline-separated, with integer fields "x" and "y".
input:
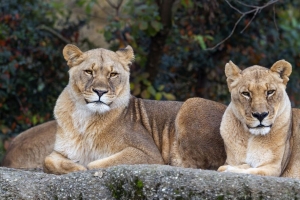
{"x": 260, "y": 126}
{"x": 97, "y": 102}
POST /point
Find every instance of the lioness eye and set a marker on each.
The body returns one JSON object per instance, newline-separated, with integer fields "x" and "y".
{"x": 269, "y": 92}
{"x": 113, "y": 74}
{"x": 88, "y": 72}
{"x": 247, "y": 94}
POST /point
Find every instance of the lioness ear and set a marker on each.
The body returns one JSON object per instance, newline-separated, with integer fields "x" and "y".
{"x": 232, "y": 72}
{"x": 72, "y": 55}
{"x": 127, "y": 56}
{"x": 283, "y": 68}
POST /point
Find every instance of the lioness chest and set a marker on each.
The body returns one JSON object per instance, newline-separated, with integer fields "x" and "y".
{"x": 88, "y": 140}
{"x": 87, "y": 147}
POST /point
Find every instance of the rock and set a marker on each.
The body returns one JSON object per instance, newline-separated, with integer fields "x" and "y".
{"x": 144, "y": 182}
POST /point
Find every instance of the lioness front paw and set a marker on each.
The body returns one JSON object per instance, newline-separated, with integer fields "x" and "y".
{"x": 94, "y": 165}
{"x": 80, "y": 168}
{"x": 223, "y": 168}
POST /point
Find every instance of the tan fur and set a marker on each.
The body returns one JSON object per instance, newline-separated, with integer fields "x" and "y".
{"x": 29, "y": 149}
{"x": 198, "y": 143}
{"x": 110, "y": 129}
{"x": 257, "y": 124}
{"x": 292, "y": 170}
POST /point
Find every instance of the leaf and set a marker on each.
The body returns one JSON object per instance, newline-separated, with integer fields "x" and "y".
{"x": 107, "y": 35}
{"x": 137, "y": 89}
{"x": 169, "y": 96}
{"x": 143, "y": 25}
{"x": 187, "y": 3}
{"x": 145, "y": 94}
{"x": 5, "y": 129}
{"x": 146, "y": 82}
{"x": 80, "y": 2}
{"x": 151, "y": 31}
{"x": 208, "y": 37}
{"x": 161, "y": 87}
{"x": 158, "y": 96}
{"x": 200, "y": 40}
{"x": 131, "y": 86}
{"x": 151, "y": 90}
{"x": 34, "y": 120}
{"x": 41, "y": 86}
{"x": 156, "y": 25}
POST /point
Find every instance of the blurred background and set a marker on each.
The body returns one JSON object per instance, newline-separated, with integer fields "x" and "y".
{"x": 181, "y": 48}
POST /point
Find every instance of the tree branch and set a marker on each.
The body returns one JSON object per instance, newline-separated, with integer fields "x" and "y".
{"x": 43, "y": 27}
{"x": 250, "y": 21}
{"x": 255, "y": 10}
{"x": 274, "y": 18}
{"x": 111, "y": 4}
{"x": 116, "y": 7}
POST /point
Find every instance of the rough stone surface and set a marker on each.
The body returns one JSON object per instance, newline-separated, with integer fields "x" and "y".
{"x": 144, "y": 182}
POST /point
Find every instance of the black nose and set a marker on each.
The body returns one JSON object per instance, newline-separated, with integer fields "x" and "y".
{"x": 100, "y": 92}
{"x": 260, "y": 116}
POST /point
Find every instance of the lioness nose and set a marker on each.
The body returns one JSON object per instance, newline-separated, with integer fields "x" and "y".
{"x": 100, "y": 92}
{"x": 260, "y": 116}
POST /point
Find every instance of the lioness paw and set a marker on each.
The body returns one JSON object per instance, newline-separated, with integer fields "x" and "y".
{"x": 223, "y": 168}
{"x": 80, "y": 168}
{"x": 95, "y": 165}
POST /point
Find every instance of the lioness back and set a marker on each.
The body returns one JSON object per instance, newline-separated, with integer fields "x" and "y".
{"x": 29, "y": 148}
{"x": 158, "y": 117}
{"x": 198, "y": 141}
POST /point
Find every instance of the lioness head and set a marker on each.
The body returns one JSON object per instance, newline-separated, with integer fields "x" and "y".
{"x": 99, "y": 78}
{"x": 258, "y": 94}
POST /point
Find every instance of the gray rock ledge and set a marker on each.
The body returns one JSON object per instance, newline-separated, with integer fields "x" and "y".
{"x": 144, "y": 182}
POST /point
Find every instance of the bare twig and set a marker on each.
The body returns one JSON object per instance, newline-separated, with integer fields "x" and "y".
{"x": 234, "y": 8}
{"x": 116, "y": 7}
{"x": 247, "y": 5}
{"x": 250, "y": 21}
{"x": 43, "y": 27}
{"x": 274, "y": 17}
{"x": 232, "y": 31}
{"x": 254, "y": 11}
{"x": 20, "y": 104}
{"x": 111, "y": 4}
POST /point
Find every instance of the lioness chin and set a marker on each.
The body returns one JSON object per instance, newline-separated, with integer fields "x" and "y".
{"x": 257, "y": 126}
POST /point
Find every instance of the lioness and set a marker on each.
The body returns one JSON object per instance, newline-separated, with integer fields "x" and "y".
{"x": 99, "y": 124}
{"x": 257, "y": 125}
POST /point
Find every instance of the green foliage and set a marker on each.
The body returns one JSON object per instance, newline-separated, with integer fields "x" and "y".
{"x": 32, "y": 69}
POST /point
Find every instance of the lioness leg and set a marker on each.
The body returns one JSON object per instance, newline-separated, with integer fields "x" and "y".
{"x": 128, "y": 156}
{"x": 227, "y": 167}
{"x": 56, "y": 163}
{"x": 267, "y": 170}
